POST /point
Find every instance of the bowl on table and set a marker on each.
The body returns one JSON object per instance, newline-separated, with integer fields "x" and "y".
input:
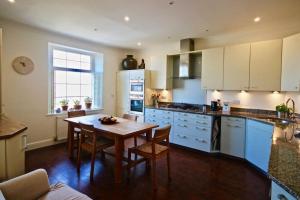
{"x": 108, "y": 120}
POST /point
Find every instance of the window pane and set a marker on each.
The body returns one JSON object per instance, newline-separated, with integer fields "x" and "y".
{"x": 72, "y": 99}
{"x": 73, "y": 77}
{"x": 86, "y": 90}
{"x": 60, "y": 90}
{"x": 60, "y": 76}
{"x": 73, "y": 56}
{"x": 60, "y": 54}
{"x": 57, "y": 102}
{"x": 86, "y": 66}
{"x": 73, "y": 64}
{"x": 73, "y": 90}
{"x": 86, "y": 78}
{"x": 85, "y": 58}
{"x": 59, "y": 62}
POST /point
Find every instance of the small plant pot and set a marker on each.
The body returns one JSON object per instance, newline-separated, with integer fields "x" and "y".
{"x": 64, "y": 108}
{"x": 77, "y": 107}
{"x": 281, "y": 114}
{"x": 88, "y": 105}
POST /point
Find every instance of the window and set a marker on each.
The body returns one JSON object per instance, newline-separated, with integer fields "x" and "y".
{"x": 74, "y": 75}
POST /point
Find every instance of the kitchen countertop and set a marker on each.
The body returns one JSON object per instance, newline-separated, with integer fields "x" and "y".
{"x": 284, "y": 164}
{"x": 10, "y": 128}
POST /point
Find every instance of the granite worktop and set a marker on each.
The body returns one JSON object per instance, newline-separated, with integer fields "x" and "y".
{"x": 284, "y": 164}
{"x": 9, "y": 127}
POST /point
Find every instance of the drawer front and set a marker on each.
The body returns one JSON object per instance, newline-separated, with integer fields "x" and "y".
{"x": 191, "y": 141}
{"x": 201, "y": 132}
{"x": 234, "y": 121}
{"x": 203, "y": 118}
{"x": 200, "y": 143}
{"x": 279, "y": 193}
{"x": 159, "y": 114}
{"x": 151, "y": 120}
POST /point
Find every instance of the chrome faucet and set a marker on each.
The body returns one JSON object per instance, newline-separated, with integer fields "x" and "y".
{"x": 291, "y": 115}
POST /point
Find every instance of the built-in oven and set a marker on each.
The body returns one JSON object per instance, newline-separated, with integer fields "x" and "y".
{"x": 136, "y": 103}
{"x": 137, "y": 86}
{"x": 136, "y": 106}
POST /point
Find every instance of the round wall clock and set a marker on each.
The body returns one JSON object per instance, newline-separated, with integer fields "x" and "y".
{"x": 23, "y": 65}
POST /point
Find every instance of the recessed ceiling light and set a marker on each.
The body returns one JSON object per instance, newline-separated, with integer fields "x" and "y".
{"x": 11, "y": 1}
{"x": 257, "y": 19}
{"x": 139, "y": 44}
{"x": 171, "y": 3}
{"x": 127, "y": 19}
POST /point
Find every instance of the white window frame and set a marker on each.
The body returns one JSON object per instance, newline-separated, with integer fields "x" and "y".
{"x": 96, "y": 70}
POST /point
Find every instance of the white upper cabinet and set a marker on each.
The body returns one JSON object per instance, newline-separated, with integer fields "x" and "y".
{"x": 212, "y": 68}
{"x": 265, "y": 65}
{"x": 236, "y": 67}
{"x": 160, "y": 74}
{"x": 290, "y": 78}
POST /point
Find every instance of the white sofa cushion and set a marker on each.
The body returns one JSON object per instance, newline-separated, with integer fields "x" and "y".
{"x": 63, "y": 192}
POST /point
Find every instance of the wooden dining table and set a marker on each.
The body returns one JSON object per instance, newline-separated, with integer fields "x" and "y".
{"x": 119, "y": 131}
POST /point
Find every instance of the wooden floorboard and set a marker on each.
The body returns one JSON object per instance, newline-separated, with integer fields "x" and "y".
{"x": 194, "y": 176}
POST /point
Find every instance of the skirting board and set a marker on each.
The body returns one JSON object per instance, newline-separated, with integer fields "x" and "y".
{"x": 43, "y": 143}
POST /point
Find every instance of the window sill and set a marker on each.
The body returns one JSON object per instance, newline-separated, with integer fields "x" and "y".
{"x": 65, "y": 113}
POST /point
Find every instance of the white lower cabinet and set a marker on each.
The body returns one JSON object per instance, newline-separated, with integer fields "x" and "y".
{"x": 12, "y": 156}
{"x": 190, "y": 130}
{"x": 278, "y": 193}
{"x": 258, "y": 143}
{"x": 233, "y": 136}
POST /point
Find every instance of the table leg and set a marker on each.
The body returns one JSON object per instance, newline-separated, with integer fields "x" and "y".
{"x": 148, "y": 138}
{"x": 70, "y": 140}
{"x": 119, "y": 147}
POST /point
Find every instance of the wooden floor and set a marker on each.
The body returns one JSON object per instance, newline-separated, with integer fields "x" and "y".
{"x": 195, "y": 176}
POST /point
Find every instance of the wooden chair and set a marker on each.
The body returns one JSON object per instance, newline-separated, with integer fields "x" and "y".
{"x": 133, "y": 118}
{"x": 92, "y": 143}
{"x": 156, "y": 148}
{"x": 77, "y": 113}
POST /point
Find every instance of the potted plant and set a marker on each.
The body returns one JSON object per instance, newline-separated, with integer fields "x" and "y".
{"x": 64, "y": 104}
{"x": 282, "y": 110}
{"x": 88, "y": 102}
{"x": 77, "y": 105}
{"x": 155, "y": 98}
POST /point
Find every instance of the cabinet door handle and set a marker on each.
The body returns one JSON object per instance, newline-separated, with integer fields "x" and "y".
{"x": 202, "y": 141}
{"x": 182, "y": 136}
{"x": 282, "y": 197}
{"x": 203, "y": 129}
{"x": 24, "y": 142}
{"x": 180, "y": 119}
{"x": 184, "y": 126}
{"x": 204, "y": 123}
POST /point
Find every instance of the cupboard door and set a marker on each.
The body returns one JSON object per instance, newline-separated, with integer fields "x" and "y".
{"x": 212, "y": 68}
{"x": 15, "y": 151}
{"x": 236, "y": 67}
{"x": 290, "y": 63}
{"x": 123, "y": 92}
{"x": 258, "y": 143}
{"x": 159, "y": 75}
{"x": 233, "y": 137}
{"x": 265, "y": 65}
{"x": 2, "y": 160}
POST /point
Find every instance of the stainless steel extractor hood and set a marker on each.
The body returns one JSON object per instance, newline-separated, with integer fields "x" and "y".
{"x": 184, "y": 61}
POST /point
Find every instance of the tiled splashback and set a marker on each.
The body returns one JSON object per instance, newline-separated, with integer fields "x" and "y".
{"x": 255, "y": 100}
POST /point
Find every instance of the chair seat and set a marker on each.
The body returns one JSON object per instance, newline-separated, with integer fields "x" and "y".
{"x": 147, "y": 148}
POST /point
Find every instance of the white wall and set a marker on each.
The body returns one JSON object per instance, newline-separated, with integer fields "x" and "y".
{"x": 25, "y": 97}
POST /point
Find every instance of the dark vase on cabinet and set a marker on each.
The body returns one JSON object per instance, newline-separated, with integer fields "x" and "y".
{"x": 129, "y": 63}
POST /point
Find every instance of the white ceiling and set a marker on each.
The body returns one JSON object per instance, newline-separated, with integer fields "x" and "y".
{"x": 153, "y": 21}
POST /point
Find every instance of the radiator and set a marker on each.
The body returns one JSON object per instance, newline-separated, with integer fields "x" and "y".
{"x": 61, "y": 128}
